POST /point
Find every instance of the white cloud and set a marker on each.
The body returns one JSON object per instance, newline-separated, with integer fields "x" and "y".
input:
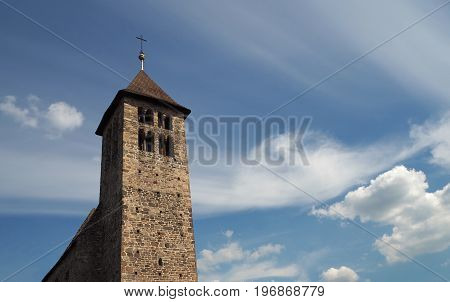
{"x": 209, "y": 260}
{"x": 21, "y": 115}
{"x": 229, "y": 233}
{"x": 333, "y": 168}
{"x": 58, "y": 118}
{"x": 233, "y": 263}
{"x": 62, "y": 116}
{"x": 436, "y": 136}
{"x": 399, "y": 198}
{"x": 342, "y": 274}
{"x": 33, "y": 99}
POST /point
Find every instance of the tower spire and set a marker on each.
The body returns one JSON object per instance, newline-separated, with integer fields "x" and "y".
{"x": 141, "y": 53}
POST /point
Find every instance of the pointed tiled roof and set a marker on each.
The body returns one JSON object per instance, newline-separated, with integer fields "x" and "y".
{"x": 143, "y": 87}
{"x": 143, "y": 84}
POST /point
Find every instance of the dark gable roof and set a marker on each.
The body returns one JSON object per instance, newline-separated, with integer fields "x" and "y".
{"x": 141, "y": 87}
{"x": 142, "y": 84}
{"x": 72, "y": 243}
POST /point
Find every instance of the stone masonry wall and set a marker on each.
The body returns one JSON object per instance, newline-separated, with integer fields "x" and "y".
{"x": 157, "y": 234}
{"x": 111, "y": 195}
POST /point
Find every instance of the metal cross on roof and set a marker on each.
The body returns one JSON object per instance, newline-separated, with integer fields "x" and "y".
{"x": 141, "y": 38}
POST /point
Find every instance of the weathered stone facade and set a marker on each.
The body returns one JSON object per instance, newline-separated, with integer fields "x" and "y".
{"x": 142, "y": 229}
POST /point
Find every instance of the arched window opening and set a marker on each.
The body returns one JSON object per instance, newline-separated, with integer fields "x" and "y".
{"x": 160, "y": 262}
{"x": 149, "y": 142}
{"x": 160, "y": 120}
{"x": 141, "y": 138}
{"x": 168, "y": 122}
{"x": 169, "y": 146}
{"x": 141, "y": 115}
{"x": 161, "y": 145}
{"x": 149, "y": 117}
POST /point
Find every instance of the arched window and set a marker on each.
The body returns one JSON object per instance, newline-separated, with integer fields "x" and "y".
{"x": 141, "y": 139}
{"x": 161, "y": 145}
{"x": 149, "y": 141}
{"x": 141, "y": 115}
{"x": 149, "y": 117}
{"x": 160, "y": 120}
{"x": 168, "y": 122}
{"x": 169, "y": 146}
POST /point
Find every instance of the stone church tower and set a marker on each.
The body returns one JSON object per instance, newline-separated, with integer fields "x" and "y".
{"x": 142, "y": 228}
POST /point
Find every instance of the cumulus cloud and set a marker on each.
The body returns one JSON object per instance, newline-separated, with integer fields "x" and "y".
{"x": 210, "y": 260}
{"x": 64, "y": 117}
{"x": 23, "y": 116}
{"x": 400, "y": 198}
{"x": 342, "y": 274}
{"x": 232, "y": 262}
{"x": 33, "y": 99}
{"x": 229, "y": 233}
{"x": 58, "y": 118}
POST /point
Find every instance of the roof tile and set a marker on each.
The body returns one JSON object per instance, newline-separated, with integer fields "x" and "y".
{"x": 143, "y": 84}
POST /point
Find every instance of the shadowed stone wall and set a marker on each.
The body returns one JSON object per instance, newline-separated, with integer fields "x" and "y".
{"x": 94, "y": 253}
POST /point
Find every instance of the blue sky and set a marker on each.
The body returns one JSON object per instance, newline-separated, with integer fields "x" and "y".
{"x": 378, "y": 145}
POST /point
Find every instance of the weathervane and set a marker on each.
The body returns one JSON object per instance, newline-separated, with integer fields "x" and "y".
{"x": 141, "y": 53}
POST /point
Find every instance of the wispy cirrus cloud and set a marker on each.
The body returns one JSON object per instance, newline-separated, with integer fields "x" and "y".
{"x": 334, "y": 167}
{"x": 434, "y": 135}
{"x": 33, "y": 174}
{"x": 416, "y": 59}
{"x": 291, "y": 40}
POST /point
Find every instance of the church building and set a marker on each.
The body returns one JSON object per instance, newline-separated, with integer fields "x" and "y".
{"x": 142, "y": 229}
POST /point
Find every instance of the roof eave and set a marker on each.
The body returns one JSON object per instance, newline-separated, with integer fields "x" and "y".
{"x": 126, "y": 92}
